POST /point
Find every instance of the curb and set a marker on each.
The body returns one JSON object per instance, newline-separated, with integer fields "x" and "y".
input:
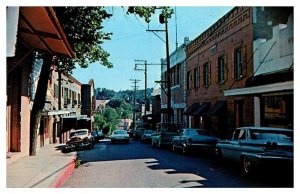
{"x": 64, "y": 175}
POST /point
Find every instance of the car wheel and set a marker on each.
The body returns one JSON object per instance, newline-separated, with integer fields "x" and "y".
{"x": 184, "y": 149}
{"x": 218, "y": 154}
{"x": 159, "y": 144}
{"x": 173, "y": 147}
{"x": 247, "y": 165}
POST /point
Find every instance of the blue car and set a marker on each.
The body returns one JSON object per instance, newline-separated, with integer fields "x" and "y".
{"x": 253, "y": 147}
{"x": 193, "y": 139}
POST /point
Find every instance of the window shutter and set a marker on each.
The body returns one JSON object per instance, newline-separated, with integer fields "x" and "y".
{"x": 209, "y": 73}
{"x": 225, "y": 68}
{"x": 244, "y": 59}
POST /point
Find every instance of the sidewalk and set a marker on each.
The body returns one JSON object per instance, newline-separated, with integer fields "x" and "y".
{"x": 49, "y": 168}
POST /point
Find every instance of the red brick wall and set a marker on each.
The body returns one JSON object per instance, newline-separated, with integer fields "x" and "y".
{"x": 232, "y": 31}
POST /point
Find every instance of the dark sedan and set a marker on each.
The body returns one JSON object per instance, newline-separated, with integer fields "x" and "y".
{"x": 255, "y": 147}
{"x": 189, "y": 139}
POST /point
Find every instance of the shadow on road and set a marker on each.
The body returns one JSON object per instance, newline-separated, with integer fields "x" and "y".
{"x": 204, "y": 166}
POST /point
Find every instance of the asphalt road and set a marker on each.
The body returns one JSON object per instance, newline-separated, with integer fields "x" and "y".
{"x": 138, "y": 165}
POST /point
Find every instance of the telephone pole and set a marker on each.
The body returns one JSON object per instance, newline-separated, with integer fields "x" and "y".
{"x": 145, "y": 71}
{"x": 163, "y": 19}
{"x": 134, "y": 81}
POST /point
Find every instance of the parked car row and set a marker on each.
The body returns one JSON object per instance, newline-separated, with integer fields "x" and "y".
{"x": 250, "y": 147}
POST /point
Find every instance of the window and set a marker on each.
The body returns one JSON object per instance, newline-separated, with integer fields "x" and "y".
{"x": 238, "y": 63}
{"x": 206, "y": 75}
{"x": 221, "y": 69}
{"x": 178, "y": 74}
{"x": 55, "y": 90}
{"x": 188, "y": 78}
{"x": 196, "y": 77}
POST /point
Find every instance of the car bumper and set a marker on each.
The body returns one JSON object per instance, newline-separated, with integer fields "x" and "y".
{"x": 77, "y": 145}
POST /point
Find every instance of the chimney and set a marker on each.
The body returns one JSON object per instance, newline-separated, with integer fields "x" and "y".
{"x": 186, "y": 40}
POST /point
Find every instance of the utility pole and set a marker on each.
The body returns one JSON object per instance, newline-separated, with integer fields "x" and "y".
{"x": 145, "y": 71}
{"x": 163, "y": 19}
{"x": 134, "y": 81}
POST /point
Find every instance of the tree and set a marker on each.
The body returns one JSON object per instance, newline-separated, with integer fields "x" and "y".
{"x": 83, "y": 29}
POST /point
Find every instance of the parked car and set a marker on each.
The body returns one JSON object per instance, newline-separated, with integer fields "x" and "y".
{"x": 138, "y": 132}
{"x": 189, "y": 139}
{"x": 147, "y": 136}
{"x": 119, "y": 136}
{"x": 164, "y": 134}
{"x": 98, "y": 135}
{"x": 258, "y": 146}
{"x": 81, "y": 138}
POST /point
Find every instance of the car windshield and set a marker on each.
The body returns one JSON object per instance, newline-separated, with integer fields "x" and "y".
{"x": 148, "y": 132}
{"x": 76, "y": 133}
{"x": 196, "y": 132}
{"x": 285, "y": 136}
{"x": 120, "y": 132}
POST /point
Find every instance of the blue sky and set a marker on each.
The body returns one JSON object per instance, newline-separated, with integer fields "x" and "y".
{"x": 130, "y": 41}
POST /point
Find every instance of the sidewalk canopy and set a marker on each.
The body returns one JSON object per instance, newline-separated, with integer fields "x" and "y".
{"x": 287, "y": 87}
{"x": 217, "y": 108}
{"x": 201, "y": 109}
{"x": 191, "y": 109}
{"x": 40, "y": 29}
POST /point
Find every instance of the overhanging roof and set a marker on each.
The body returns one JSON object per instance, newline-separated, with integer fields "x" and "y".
{"x": 201, "y": 109}
{"x": 269, "y": 88}
{"x": 191, "y": 109}
{"x": 58, "y": 112}
{"x": 39, "y": 29}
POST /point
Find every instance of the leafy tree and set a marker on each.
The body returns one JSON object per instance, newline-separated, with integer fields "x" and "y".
{"x": 83, "y": 29}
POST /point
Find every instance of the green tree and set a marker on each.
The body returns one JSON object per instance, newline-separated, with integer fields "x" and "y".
{"x": 83, "y": 29}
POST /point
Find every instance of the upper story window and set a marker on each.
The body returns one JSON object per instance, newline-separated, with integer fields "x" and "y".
{"x": 178, "y": 74}
{"x": 238, "y": 63}
{"x": 206, "y": 74}
{"x": 196, "y": 77}
{"x": 188, "y": 78}
{"x": 221, "y": 69}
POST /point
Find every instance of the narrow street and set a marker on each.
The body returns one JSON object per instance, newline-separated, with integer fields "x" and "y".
{"x": 138, "y": 165}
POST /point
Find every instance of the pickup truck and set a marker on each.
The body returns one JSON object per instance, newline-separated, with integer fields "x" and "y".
{"x": 164, "y": 134}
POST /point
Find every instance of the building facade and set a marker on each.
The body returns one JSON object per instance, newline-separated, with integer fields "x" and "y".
{"x": 88, "y": 100}
{"x": 23, "y": 68}
{"x": 177, "y": 78}
{"x": 220, "y": 59}
{"x": 272, "y": 84}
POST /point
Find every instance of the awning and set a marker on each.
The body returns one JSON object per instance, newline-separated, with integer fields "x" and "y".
{"x": 191, "y": 109}
{"x": 165, "y": 110}
{"x": 217, "y": 108}
{"x": 201, "y": 109}
{"x": 58, "y": 112}
{"x": 269, "y": 88}
{"x": 40, "y": 29}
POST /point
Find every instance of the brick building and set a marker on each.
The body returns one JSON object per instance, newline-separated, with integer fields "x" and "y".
{"x": 233, "y": 55}
{"x": 177, "y": 78}
{"x": 88, "y": 100}
{"x": 272, "y": 85}
{"x": 220, "y": 59}
{"x": 26, "y": 36}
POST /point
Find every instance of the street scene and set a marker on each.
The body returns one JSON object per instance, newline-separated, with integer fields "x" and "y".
{"x": 150, "y": 97}
{"x": 138, "y": 165}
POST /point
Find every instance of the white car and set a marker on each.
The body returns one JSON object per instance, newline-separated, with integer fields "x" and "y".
{"x": 119, "y": 136}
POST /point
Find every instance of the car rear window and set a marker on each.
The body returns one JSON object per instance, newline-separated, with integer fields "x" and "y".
{"x": 76, "y": 133}
{"x": 271, "y": 135}
{"x": 120, "y": 132}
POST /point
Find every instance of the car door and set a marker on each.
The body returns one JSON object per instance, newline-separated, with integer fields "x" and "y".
{"x": 233, "y": 149}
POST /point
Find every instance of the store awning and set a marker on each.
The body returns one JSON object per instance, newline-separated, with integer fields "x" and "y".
{"x": 58, "y": 112}
{"x": 191, "y": 109}
{"x": 217, "y": 108}
{"x": 200, "y": 110}
{"x": 40, "y": 29}
{"x": 287, "y": 86}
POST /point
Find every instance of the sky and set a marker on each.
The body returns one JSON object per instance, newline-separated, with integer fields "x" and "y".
{"x": 130, "y": 41}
